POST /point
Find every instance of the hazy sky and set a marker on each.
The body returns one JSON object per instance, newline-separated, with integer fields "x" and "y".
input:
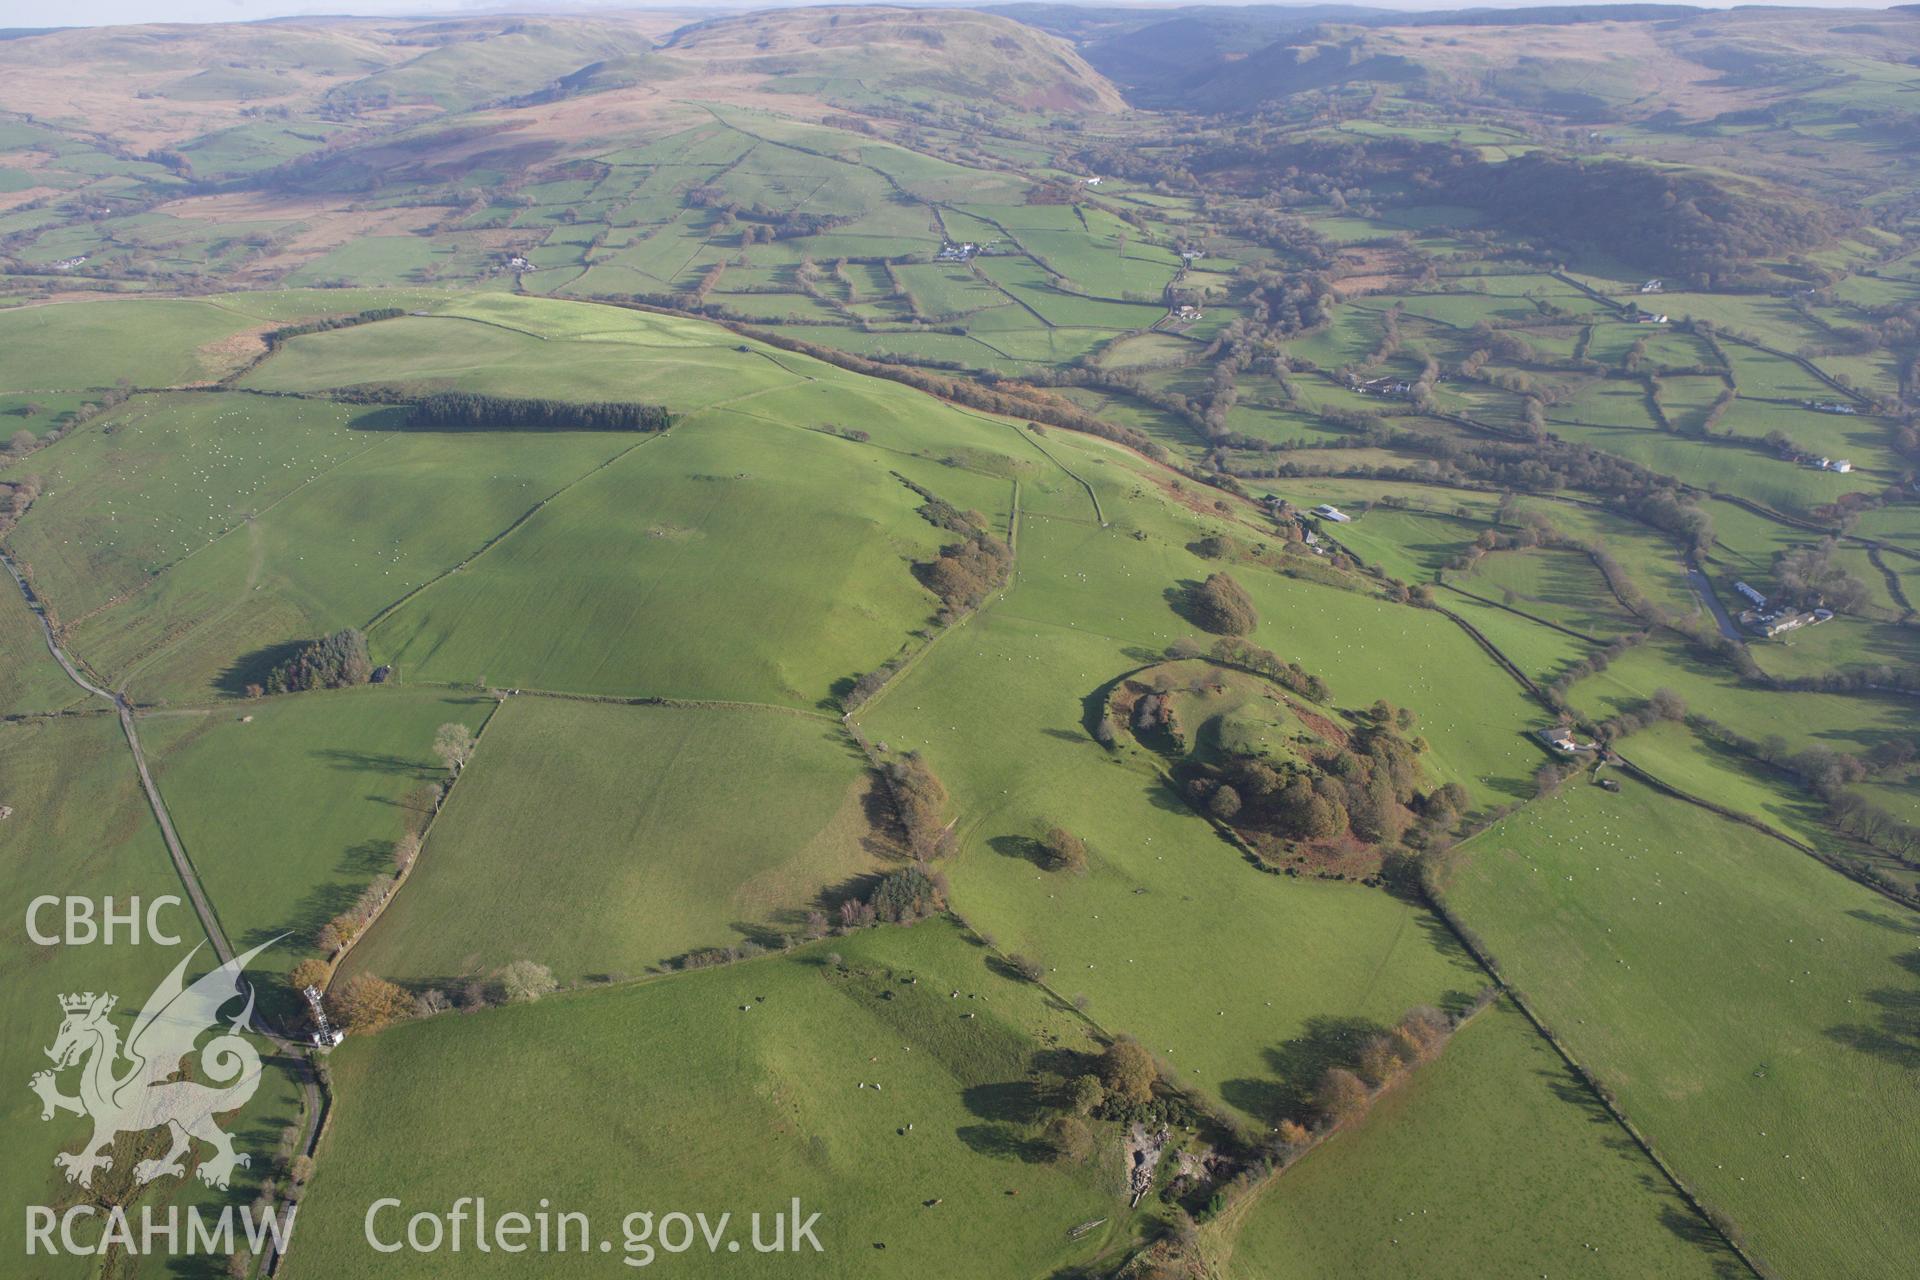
{"x": 52, "y": 13}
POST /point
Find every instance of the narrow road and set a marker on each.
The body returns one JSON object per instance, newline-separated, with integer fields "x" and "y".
{"x": 202, "y": 907}
{"x": 1703, "y": 587}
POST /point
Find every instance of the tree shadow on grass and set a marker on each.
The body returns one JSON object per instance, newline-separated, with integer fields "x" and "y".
{"x": 254, "y": 668}
{"x": 1002, "y": 1142}
{"x": 999, "y": 967}
{"x": 372, "y": 762}
{"x": 1179, "y": 598}
{"x": 1696, "y": 1231}
{"x": 1577, "y": 1095}
{"x": 758, "y": 932}
{"x": 1894, "y": 1034}
{"x": 862, "y": 885}
{"x": 1010, "y": 1102}
{"x": 1020, "y": 848}
{"x": 394, "y": 418}
{"x": 1298, "y": 1066}
{"x": 1162, "y": 796}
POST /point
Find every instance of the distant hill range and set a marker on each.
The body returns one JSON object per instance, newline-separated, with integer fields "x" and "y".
{"x": 1642, "y": 59}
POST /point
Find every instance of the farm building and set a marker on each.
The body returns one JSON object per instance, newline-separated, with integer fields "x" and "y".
{"x": 1650, "y": 317}
{"x": 1563, "y": 741}
{"x": 1654, "y": 285}
{"x": 1327, "y": 511}
{"x": 1781, "y": 621}
{"x": 1758, "y": 601}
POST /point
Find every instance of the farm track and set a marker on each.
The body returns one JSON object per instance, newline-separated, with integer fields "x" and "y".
{"x": 313, "y": 1100}
{"x": 1703, "y": 589}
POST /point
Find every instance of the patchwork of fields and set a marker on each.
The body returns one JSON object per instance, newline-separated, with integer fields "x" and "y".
{"x": 839, "y": 608}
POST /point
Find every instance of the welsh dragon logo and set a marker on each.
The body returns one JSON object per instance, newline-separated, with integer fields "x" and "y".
{"x": 127, "y": 1089}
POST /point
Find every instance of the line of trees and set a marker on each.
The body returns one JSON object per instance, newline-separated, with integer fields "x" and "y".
{"x": 274, "y": 337}
{"x": 1239, "y": 653}
{"x": 1829, "y": 774}
{"x": 920, "y": 799}
{"x": 466, "y": 409}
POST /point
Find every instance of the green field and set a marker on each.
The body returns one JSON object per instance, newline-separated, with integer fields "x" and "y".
{"x": 80, "y": 826}
{"x": 30, "y": 680}
{"x": 279, "y": 862}
{"x": 732, "y": 1090}
{"x": 1842, "y": 721}
{"x": 1562, "y": 587}
{"x": 1637, "y": 924}
{"x": 146, "y": 342}
{"x": 793, "y": 552}
{"x": 205, "y": 531}
{"x": 1495, "y": 1133}
{"x": 682, "y": 827}
{"x": 1560, "y": 311}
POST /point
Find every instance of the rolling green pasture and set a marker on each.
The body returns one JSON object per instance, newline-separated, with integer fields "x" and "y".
{"x": 1495, "y": 1133}
{"x": 161, "y": 478}
{"x": 1747, "y": 1005}
{"x": 145, "y": 341}
{"x": 1564, "y": 587}
{"x": 735, "y": 1089}
{"x": 1538, "y": 650}
{"x": 494, "y": 356}
{"x": 1413, "y": 546}
{"x": 1710, "y": 464}
{"x": 38, "y": 413}
{"x": 600, "y": 838}
{"x": 30, "y": 680}
{"x": 1718, "y": 774}
{"x": 185, "y": 537}
{"x": 284, "y": 859}
{"x": 1027, "y": 669}
{"x": 730, "y": 558}
{"x": 81, "y": 826}
{"x": 411, "y": 508}
{"x": 1845, "y": 722}
{"x": 1839, "y": 644}
{"x": 1607, "y": 402}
